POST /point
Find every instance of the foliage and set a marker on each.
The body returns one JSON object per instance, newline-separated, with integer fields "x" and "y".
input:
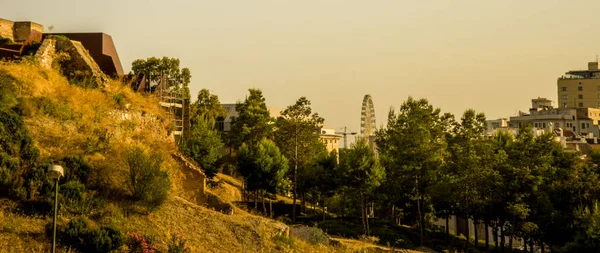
{"x": 361, "y": 173}
{"x": 178, "y": 243}
{"x": 154, "y": 68}
{"x": 146, "y": 181}
{"x": 262, "y": 166}
{"x": 57, "y": 37}
{"x": 5, "y": 41}
{"x": 204, "y": 146}
{"x": 412, "y": 149}
{"x": 17, "y": 157}
{"x": 141, "y": 243}
{"x": 207, "y": 106}
{"x": 297, "y": 137}
{"x": 253, "y": 122}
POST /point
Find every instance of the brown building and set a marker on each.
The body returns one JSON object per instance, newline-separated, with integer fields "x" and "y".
{"x": 101, "y": 48}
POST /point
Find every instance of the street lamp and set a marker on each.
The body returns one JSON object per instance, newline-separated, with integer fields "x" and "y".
{"x": 54, "y": 173}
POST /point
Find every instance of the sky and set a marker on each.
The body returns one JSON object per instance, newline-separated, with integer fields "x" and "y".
{"x": 491, "y": 56}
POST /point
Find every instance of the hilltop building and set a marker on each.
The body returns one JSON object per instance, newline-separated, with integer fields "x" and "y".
{"x": 580, "y": 88}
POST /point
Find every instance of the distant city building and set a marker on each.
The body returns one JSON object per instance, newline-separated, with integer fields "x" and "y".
{"x": 580, "y": 88}
{"x": 574, "y": 128}
{"x": 330, "y": 139}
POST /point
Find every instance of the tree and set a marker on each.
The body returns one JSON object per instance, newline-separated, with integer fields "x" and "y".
{"x": 253, "y": 122}
{"x": 412, "y": 148}
{"x": 469, "y": 166}
{"x": 208, "y": 105}
{"x": 361, "y": 173}
{"x": 203, "y": 146}
{"x": 154, "y": 68}
{"x": 263, "y": 168}
{"x": 297, "y": 136}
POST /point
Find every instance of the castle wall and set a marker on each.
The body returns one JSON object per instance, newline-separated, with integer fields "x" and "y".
{"x": 6, "y": 28}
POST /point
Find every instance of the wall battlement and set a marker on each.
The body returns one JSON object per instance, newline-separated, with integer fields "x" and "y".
{"x": 18, "y": 31}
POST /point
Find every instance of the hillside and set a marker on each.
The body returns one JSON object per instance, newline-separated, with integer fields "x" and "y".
{"x": 96, "y": 128}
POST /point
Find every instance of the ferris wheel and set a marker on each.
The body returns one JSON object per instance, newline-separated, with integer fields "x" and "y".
{"x": 367, "y": 117}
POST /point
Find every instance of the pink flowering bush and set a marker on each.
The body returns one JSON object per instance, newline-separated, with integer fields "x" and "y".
{"x": 141, "y": 243}
{"x": 178, "y": 244}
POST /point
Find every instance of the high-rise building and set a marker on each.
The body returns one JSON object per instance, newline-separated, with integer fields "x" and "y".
{"x": 580, "y": 88}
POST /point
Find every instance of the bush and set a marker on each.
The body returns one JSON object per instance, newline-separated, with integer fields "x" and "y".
{"x": 147, "y": 182}
{"x": 79, "y": 235}
{"x": 178, "y": 243}
{"x": 141, "y": 243}
{"x": 76, "y": 169}
{"x": 73, "y": 190}
{"x": 5, "y": 41}
{"x": 106, "y": 239}
{"x": 57, "y": 37}
{"x": 76, "y": 234}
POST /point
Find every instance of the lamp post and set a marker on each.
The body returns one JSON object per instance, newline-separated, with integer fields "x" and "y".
{"x": 55, "y": 172}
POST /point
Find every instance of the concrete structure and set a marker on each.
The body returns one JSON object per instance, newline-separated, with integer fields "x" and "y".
{"x": 580, "y": 88}
{"x": 495, "y": 125}
{"x": 581, "y": 121}
{"x": 101, "y": 47}
{"x": 18, "y": 31}
{"x": 330, "y": 139}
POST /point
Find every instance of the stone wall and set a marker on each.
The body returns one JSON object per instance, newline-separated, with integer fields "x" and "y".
{"x": 46, "y": 52}
{"x": 6, "y": 28}
{"x": 81, "y": 67}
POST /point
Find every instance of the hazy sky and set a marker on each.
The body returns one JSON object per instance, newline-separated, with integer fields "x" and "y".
{"x": 492, "y": 56}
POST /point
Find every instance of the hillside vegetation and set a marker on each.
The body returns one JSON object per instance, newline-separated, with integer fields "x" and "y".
{"x": 100, "y": 136}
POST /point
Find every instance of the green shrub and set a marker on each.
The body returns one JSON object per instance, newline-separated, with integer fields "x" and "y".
{"x": 79, "y": 235}
{"x": 147, "y": 182}
{"x": 18, "y": 155}
{"x": 106, "y": 239}
{"x": 5, "y": 41}
{"x": 57, "y": 37}
{"x": 119, "y": 99}
{"x": 76, "y": 233}
{"x": 76, "y": 169}
{"x": 73, "y": 190}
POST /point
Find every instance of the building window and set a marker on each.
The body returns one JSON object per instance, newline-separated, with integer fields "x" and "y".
{"x": 565, "y": 105}
{"x": 580, "y": 104}
{"x": 565, "y": 97}
{"x": 556, "y": 124}
{"x": 582, "y": 126}
{"x": 569, "y": 124}
{"x": 580, "y": 96}
{"x": 580, "y": 88}
{"x": 564, "y": 88}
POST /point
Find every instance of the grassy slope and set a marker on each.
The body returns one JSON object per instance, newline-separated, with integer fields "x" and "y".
{"x": 70, "y": 127}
